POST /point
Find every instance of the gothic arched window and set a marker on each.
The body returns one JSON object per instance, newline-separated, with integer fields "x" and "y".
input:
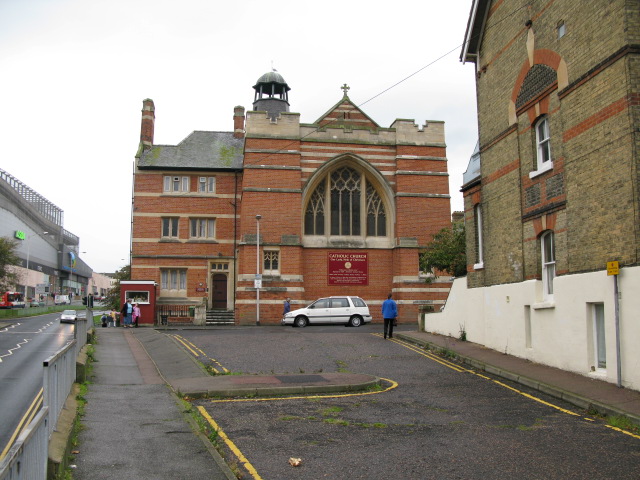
{"x": 342, "y": 190}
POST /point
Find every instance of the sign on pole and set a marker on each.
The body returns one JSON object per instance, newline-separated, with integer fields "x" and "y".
{"x": 613, "y": 268}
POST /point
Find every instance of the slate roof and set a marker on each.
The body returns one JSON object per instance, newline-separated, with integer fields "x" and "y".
{"x": 199, "y": 151}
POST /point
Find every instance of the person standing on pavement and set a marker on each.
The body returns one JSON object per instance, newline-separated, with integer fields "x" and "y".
{"x": 136, "y": 315}
{"x": 127, "y": 313}
{"x": 287, "y": 306}
{"x": 112, "y": 318}
{"x": 389, "y": 313}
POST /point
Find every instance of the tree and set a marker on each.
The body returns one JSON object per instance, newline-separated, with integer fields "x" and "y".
{"x": 112, "y": 298}
{"x": 447, "y": 252}
{"x": 8, "y": 259}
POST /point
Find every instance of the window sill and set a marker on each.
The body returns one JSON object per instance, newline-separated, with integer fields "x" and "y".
{"x": 544, "y": 169}
{"x": 202, "y": 240}
{"x": 544, "y": 305}
{"x": 478, "y": 266}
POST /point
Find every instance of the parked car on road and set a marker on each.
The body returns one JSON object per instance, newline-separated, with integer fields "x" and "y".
{"x": 351, "y": 311}
{"x": 68, "y": 316}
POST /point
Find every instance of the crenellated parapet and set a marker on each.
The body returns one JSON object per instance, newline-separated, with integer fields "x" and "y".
{"x": 408, "y": 132}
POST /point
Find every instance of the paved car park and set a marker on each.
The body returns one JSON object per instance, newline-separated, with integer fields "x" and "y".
{"x": 431, "y": 419}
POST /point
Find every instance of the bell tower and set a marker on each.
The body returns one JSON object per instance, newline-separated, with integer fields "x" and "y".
{"x": 271, "y": 94}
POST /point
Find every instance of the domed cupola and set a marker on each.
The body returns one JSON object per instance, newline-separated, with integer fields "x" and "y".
{"x": 271, "y": 94}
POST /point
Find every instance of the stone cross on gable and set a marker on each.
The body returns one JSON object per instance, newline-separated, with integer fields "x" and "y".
{"x": 345, "y": 88}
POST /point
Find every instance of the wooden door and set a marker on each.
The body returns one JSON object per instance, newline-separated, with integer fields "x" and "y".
{"x": 219, "y": 291}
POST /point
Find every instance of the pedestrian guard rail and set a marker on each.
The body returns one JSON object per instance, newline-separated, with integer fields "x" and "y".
{"x": 28, "y": 457}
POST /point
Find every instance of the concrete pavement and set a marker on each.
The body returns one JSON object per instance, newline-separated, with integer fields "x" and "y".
{"x": 133, "y": 411}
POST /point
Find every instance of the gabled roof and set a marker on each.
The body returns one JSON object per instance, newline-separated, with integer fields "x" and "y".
{"x": 475, "y": 30}
{"x": 346, "y": 114}
{"x": 199, "y": 151}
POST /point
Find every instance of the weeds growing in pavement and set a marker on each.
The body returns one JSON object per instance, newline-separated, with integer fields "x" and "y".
{"x": 619, "y": 421}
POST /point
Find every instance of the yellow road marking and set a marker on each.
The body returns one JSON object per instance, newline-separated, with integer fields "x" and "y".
{"x": 252, "y": 471}
{"x": 194, "y": 350}
{"x": 306, "y": 397}
{"x": 24, "y": 422}
{"x": 623, "y": 431}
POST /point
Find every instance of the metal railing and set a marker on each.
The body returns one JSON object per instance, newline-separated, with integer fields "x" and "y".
{"x": 59, "y": 375}
{"x": 28, "y": 457}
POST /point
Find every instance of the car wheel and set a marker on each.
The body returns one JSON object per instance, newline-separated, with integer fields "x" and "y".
{"x": 300, "y": 321}
{"x": 355, "y": 321}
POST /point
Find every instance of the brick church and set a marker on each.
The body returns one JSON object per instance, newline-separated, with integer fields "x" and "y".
{"x": 232, "y": 223}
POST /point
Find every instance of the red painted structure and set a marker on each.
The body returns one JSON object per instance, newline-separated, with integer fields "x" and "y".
{"x": 142, "y": 292}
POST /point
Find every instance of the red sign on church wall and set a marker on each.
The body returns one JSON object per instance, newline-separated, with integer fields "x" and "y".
{"x": 346, "y": 268}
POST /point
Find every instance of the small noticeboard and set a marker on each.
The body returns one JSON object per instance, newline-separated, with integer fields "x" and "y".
{"x": 613, "y": 268}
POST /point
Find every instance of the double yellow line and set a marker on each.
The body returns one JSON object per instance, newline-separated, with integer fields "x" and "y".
{"x": 26, "y": 419}
{"x": 198, "y": 353}
{"x": 461, "y": 369}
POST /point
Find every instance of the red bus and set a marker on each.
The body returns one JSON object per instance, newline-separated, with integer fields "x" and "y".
{"x": 12, "y": 300}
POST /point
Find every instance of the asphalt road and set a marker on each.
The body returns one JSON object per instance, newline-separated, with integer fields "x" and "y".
{"x": 23, "y": 347}
{"x": 436, "y": 420}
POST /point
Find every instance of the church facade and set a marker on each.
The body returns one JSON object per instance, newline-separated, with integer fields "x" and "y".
{"x": 238, "y": 221}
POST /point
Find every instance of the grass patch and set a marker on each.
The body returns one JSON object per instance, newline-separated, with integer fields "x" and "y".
{"x": 619, "y": 421}
{"x": 331, "y": 411}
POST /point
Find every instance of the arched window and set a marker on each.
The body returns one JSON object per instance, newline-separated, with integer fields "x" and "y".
{"x": 351, "y": 199}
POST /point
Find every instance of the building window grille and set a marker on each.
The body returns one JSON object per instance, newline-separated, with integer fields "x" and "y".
{"x": 173, "y": 279}
{"x": 271, "y": 264}
{"x": 170, "y": 227}
{"x": 207, "y": 184}
{"x": 477, "y": 216}
{"x": 544, "y": 142}
{"x": 203, "y": 228}
{"x": 175, "y": 184}
{"x": 548, "y": 264}
{"x": 342, "y": 190}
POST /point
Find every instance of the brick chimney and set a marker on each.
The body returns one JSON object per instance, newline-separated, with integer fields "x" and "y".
{"x": 148, "y": 124}
{"x": 238, "y": 122}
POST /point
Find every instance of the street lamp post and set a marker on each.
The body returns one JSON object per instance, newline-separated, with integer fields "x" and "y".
{"x": 258, "y": 279}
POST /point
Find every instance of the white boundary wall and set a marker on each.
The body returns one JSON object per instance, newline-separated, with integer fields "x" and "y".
{"x": 512, "y": 319}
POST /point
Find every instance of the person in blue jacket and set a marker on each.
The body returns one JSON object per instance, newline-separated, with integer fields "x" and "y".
{"x": 389, "y": 313}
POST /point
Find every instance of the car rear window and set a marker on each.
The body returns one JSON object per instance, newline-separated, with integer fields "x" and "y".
{"x": 358, "y": 302}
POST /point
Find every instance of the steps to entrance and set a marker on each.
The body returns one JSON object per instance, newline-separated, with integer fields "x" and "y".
{"x": 220, "y": 317}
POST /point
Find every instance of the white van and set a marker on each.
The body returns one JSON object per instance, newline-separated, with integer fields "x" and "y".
{"x": 62, "y": 300}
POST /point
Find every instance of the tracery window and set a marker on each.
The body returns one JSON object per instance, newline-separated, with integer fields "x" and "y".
{"x": 342, "y": 189}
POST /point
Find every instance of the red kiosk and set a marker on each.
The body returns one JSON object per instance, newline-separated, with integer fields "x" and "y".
{"x": 142, "y": 292}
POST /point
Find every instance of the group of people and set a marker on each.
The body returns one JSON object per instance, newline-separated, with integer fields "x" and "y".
{"x": 130, "y": 315}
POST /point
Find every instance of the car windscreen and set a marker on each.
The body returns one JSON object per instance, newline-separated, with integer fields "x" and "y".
{"x": 69, "y": 312}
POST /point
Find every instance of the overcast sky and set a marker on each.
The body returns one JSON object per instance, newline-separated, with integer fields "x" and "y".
{"x": 73, "y": 74}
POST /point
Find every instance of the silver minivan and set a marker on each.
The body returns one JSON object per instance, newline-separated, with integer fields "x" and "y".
{"x": 352, "y": 311}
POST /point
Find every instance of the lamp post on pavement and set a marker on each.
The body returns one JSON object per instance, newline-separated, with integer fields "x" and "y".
{"x": 258, "y": 281}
